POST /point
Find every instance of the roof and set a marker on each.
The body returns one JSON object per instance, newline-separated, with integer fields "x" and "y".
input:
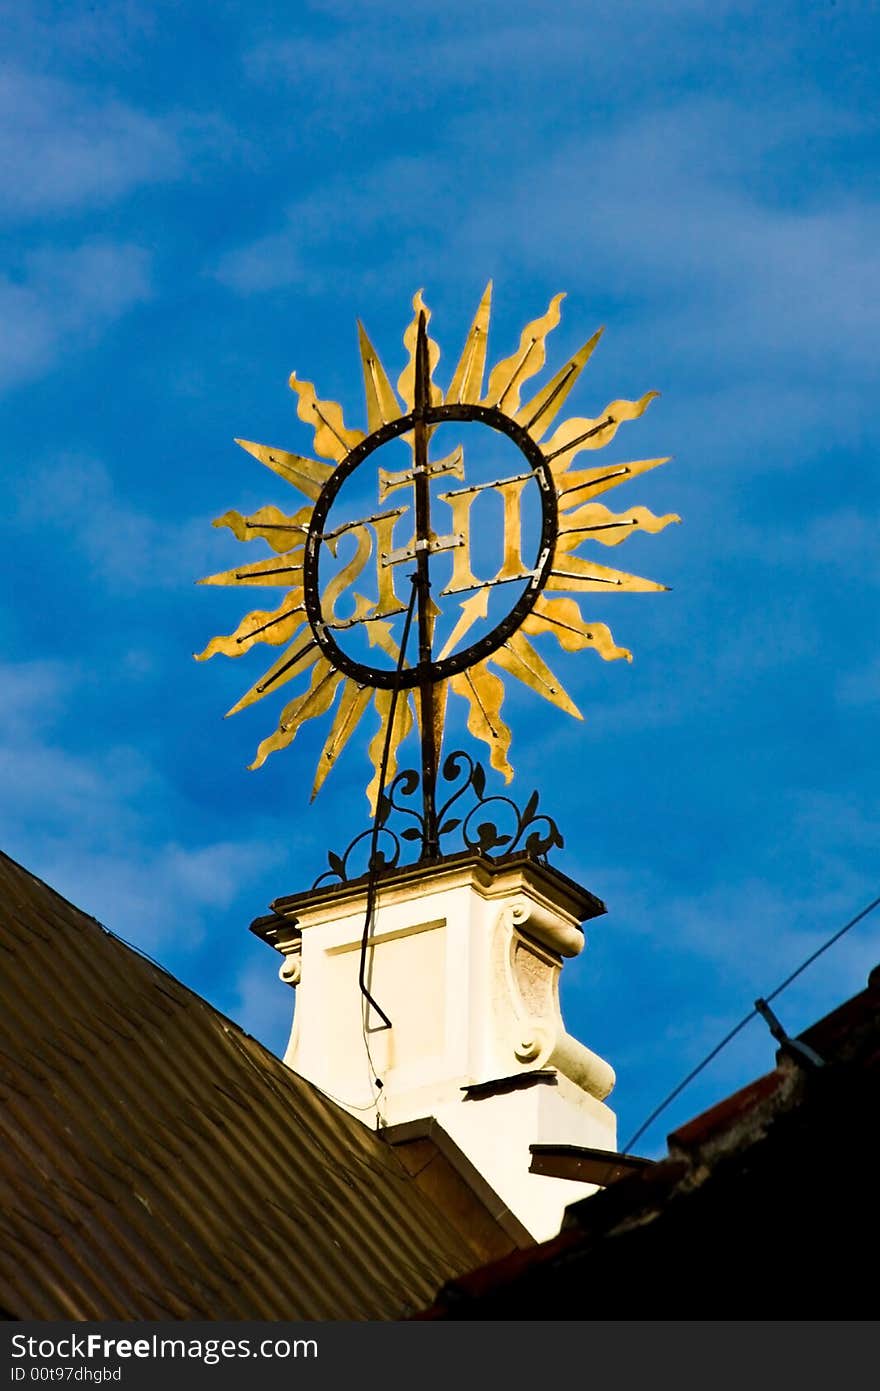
{"x": 766, "y": 1206}
{"x": 157, "y": 1162}
{"x": 489, "y": 873}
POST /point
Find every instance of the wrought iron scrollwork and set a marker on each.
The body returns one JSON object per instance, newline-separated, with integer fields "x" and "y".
{"x": 494, "y": 826}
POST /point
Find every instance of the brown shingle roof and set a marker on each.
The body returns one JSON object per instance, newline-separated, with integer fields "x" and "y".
{"x": 157, "y": 1162}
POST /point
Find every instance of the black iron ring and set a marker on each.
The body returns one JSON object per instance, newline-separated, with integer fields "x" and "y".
{"x": 485, "y": 646}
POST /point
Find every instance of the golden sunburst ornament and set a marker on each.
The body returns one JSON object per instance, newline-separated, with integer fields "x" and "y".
{"x": 401, "y": 649}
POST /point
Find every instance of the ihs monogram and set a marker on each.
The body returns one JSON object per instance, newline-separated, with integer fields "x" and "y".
{"x": 464, "y": 650}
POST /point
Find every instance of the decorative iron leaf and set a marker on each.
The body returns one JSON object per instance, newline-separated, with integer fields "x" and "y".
{"x": 531, "y": 808}
{"x": 409, "y": 781}
{"x": 488, "y": 838}
{"x": 536, "y": 844}
{"x": 535, "y": 833}
{"x": 453, "y": 764}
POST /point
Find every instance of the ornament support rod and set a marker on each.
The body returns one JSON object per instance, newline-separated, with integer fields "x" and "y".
{"x": 422, "y": 402}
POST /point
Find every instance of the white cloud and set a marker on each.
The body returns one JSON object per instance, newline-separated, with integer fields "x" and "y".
{"x": 91, "y": 822}
{"x": 741, "y": 939}
{"x": 669, "y": 974}
{"x": 263, "y": 1004}
{"x": 665, "y": 220}
{"x": 40, "y": 30}
{"x": 839, "y": 540}
{"x": 129, "y": 548}
{"x": 62, "y": 148}
{"x": 266, "y": 264}
{"x": 43, "y": 782}
{"x": 63, "y": 297}
{"x": 314, "y": 241}
{"x": 153, "y": 895}
{"x": 31, "y": 692}
{"x": 662, "y": 208}
{"x": 837, "y": 824}
{"x": 488, "y": 54}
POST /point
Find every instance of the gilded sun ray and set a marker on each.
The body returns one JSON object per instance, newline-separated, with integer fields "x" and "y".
{"x": 382, "y": 404}
{"x": 400, "y": 728}
{"x": 506, "y": 380}
{"x": 538, "y": 414}
{"x": 522, "y": 660}
{"x": 593, "y": 522}
{"x": 289, "y": 664}
{"x": 564, "y": 620}
{"x": 574, "y": 435}
{"x": 577, "y": 487}
{"x": 406, "y": 382}
{"x": 393, "y": 608}
{"x": 263, "y": 625}
{"x": 351, "y": 708}
{"x": 484, "y": 691}
{"x": 437, "y": 710}
{"x": 332, "y": 439}
{"x": 308, "y": 475}
{"x": 282, "y": 533}
{"x": 574, "y": 573}
{"x": 315, "y": 701}
{"x": 273, "y": 570}
{"x": 467, "y": 379}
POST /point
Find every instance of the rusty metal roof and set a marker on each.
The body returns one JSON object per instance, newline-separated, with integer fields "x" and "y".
{"x": 157, "y": 1162}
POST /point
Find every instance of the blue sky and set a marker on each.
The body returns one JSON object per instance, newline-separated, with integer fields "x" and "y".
{"x": 199, "y": 199}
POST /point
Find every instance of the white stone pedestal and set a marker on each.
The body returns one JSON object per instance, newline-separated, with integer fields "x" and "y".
{"x": 464, "y": 957}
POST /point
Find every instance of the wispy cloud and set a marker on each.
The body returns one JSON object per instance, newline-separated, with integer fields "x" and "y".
{"x": 90, "y": 821}
{"x": 126, "y": 547}
{"x": 695, "y": 238}
{"x": 42, "y": 34}
{"x": 670, "y": 973}
{"x": 262, "y": 1004}
{"x": 840, "y": 538}
{"x": 467, "y": 57}
{"x": 166, "y": 896}
{"x": 268, "y": 263}
{"x": 63, "y": 147}
{"x": 698, "y": 176}
{"x": 65, "y": 297}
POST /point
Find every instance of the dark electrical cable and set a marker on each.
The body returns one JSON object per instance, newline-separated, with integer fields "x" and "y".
{"x": 752, "y": 1014}
{"x": 373, "y": 867}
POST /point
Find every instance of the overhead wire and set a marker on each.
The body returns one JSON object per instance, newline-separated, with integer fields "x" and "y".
{"x": 752, "y": 1014}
